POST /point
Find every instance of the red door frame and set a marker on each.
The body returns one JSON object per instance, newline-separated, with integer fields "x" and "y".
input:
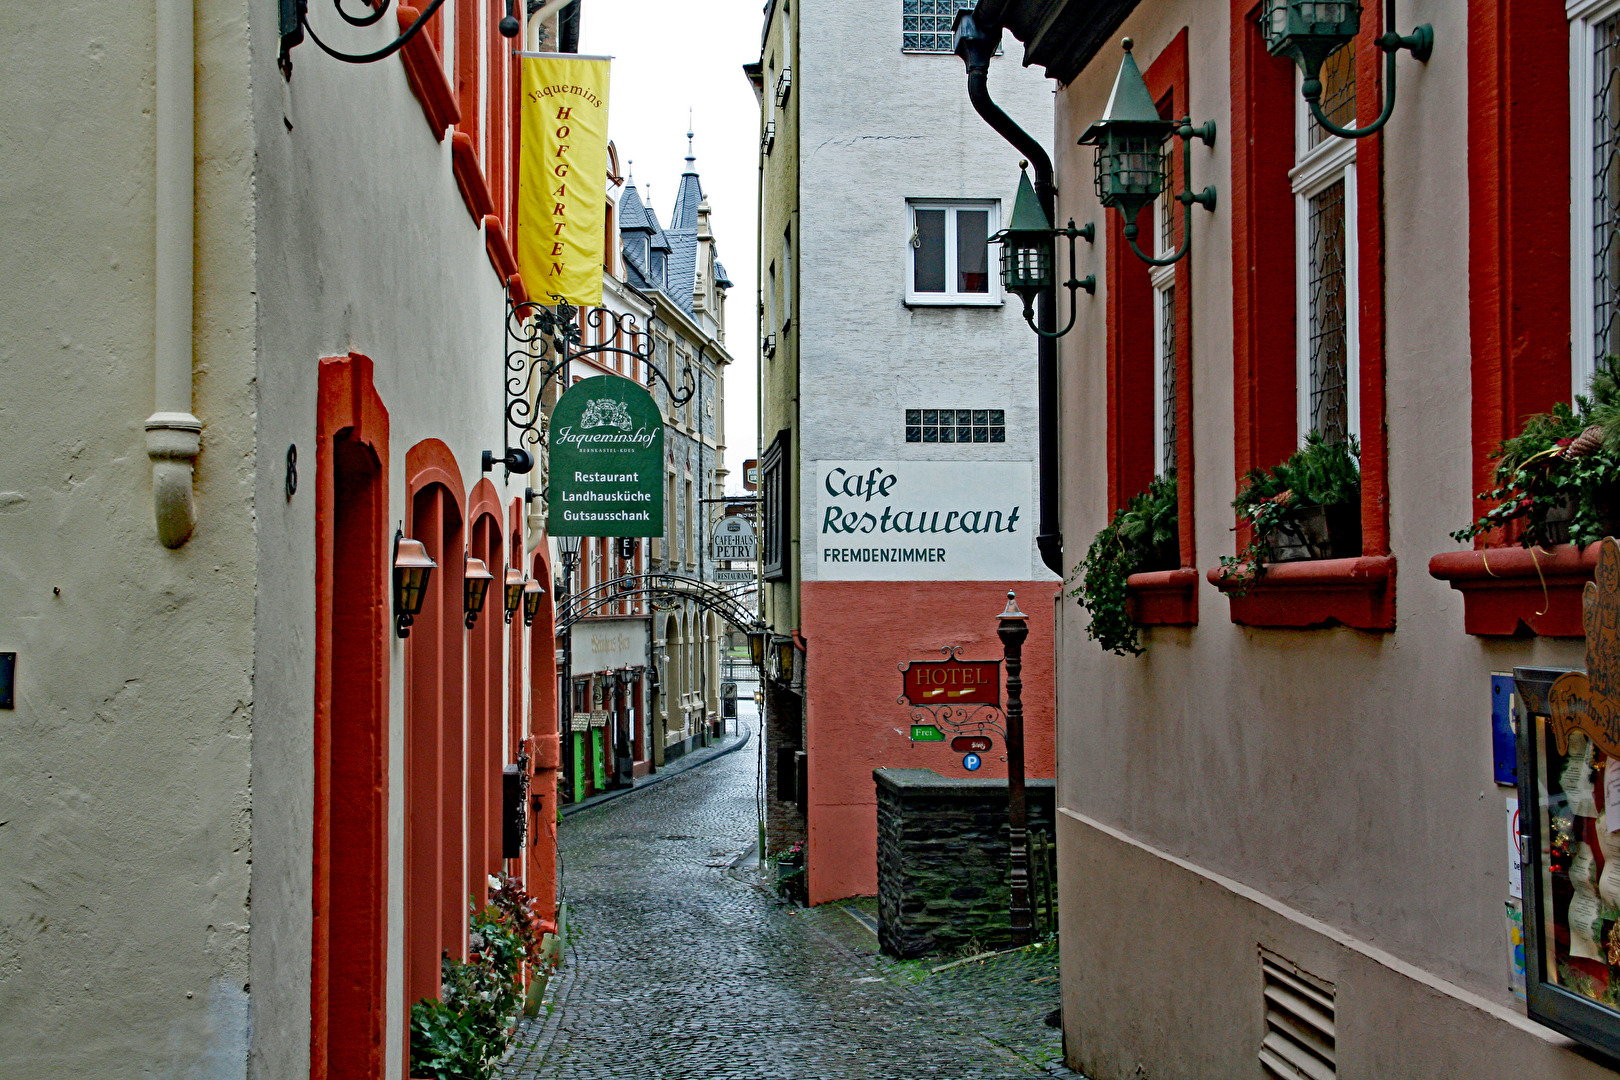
{"x": 543, "y": 703}
{"x": 348, "y": 964}
{"x": 485, "y": 698}
{"x": 434, "y": 904}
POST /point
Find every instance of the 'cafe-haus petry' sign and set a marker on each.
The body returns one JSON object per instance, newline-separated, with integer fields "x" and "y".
{"x": 952, "y": 682}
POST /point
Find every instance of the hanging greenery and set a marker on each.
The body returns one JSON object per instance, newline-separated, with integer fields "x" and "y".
{"x": 1144, "y": 534}
{"x": 1307, "y": 507}
{"x": 463, "y": 1034}
{"x": 1558, "y": 480}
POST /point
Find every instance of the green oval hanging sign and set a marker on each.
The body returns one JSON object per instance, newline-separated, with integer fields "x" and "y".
{"x": 607, "y": 461}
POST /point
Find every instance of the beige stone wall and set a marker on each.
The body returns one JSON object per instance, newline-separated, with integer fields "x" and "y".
{"x": 1343, "y": 778}
{"x": 125, "y": 808}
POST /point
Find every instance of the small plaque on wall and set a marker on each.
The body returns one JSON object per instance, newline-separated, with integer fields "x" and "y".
{"x": 8, "y": 680}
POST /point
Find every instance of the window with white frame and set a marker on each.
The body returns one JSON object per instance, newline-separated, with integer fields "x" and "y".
{"x": 927, "y": 25}
{"x": 1594, "y": 63}
{"x": 1325, "y": 258}
{"x": 1163, "y": 279}
{"x": 948, "y": 259}
{"x": 787, "y": 277}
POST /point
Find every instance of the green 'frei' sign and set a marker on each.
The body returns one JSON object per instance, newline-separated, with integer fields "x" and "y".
{"x": 607, "y": 461}
{"x": 926, "y": 733}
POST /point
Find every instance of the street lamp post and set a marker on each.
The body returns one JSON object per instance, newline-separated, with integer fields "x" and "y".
{"x": 1013, "y": 628}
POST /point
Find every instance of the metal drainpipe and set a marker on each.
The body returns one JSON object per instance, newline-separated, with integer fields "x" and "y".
{"x": 977, "y": 44}
{"x": 173, "y": 434}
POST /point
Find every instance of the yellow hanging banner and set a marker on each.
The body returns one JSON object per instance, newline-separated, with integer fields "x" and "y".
{"x": 563, "y": 177}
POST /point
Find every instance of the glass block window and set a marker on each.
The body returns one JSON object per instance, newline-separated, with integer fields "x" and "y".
{"x": 1329, "y": 367}
{"x": 925, "y": 25}
{"x": 956, "y": 425}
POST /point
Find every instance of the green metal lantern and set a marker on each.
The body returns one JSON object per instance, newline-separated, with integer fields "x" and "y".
{"x": 1130, "y": 141}
{"x": 1026, "y": 246}
{"x": 1309, "y": 31}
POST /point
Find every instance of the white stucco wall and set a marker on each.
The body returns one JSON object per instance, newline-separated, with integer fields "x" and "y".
{"x": 125, "y": 806}
{"x": 879, "y": 126}
{"x": 366, "y": 245}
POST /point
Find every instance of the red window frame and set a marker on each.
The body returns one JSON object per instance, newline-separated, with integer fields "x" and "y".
{"x": 1170, "y": 597}
{"x": 1519, "y": 298}
{"x": 1356, "y": 592}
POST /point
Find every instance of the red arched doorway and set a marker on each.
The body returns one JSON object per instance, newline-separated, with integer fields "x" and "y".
{"x": 486, "y": 702}
{"x": 543, "y": 703}
{"x": 348, "y": 969}
{"x": 435, "y": 876}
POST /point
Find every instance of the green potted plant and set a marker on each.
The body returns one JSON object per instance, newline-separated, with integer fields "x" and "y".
{"x": 1558, "y": 480}
{"x": 1308, "y": 507}
{"x": 1144, "y": 535}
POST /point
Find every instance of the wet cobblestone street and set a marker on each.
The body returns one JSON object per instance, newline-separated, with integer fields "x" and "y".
{"x": 682, "y": 966}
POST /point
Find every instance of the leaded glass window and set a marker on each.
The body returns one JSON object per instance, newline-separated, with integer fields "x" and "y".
{"x": 1329, "y": 367}
{"x": 926, "y": 25}
{"x": 956, "y": 425}
{"x": 1166, "y": 404}
{"x": 1605, "y": 190}
{"x": 1326, "y": 260}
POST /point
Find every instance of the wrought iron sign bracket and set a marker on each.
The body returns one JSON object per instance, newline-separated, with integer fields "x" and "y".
{"x": 295, "y": 27}
{"x": 541, "y": 341}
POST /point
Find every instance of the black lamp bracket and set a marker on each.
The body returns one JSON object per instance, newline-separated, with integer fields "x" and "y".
{"x": 1088, "y": 233}
{"x": 1186, "y": 132}
{"x": 1420, "y": 43}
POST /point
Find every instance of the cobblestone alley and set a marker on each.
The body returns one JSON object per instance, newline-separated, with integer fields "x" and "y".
{"x": 682, "y": 965}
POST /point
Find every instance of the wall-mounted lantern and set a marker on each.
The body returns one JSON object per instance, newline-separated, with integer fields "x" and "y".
{"x": 756, "y": 650}
{"x": 1310, "y": 31}
{"x": 532, "y": 592}
{"x": 1027, "y": 254}
{"x": 477, "y": 582}
{"x": 413, "y": 566}
{"x": 515, "y": 582}
{"x": 1133, "y": 161}
{"x": 782, "y": 657}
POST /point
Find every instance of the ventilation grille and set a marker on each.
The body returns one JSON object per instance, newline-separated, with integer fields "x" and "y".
{"x": 1299, "y": 1042}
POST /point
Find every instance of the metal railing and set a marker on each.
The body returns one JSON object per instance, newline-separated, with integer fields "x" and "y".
{"x": 1043, "y": 882}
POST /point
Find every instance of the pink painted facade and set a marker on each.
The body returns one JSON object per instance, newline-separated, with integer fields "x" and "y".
{"x": 857, "y": 634}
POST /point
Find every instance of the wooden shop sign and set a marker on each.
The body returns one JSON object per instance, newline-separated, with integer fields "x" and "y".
{"x": 952, "y": 682}
{"x": 1589, "y": 700}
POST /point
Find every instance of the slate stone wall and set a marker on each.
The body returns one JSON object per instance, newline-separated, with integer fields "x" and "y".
{"x": 942, "y": 860}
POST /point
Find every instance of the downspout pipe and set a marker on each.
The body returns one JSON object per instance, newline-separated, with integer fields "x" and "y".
{"x": 173, "y": 434}
{"x": 976, "y": 43}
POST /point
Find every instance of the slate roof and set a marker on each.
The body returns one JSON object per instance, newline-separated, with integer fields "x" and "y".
{"x": 671, "y": 263}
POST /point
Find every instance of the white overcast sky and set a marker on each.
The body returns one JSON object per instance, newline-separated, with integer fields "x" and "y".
{"x": 669, "y": 57}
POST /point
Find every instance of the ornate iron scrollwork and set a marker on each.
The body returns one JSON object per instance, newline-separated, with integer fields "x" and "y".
{"x": 295, "y": 27}
{"x": 541, "y": 341}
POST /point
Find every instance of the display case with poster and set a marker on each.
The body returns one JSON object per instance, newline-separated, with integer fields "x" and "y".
{"x": 1569, "y": 798}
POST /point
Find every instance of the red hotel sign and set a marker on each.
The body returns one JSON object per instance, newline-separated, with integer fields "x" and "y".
{"x": 953, "y": 682}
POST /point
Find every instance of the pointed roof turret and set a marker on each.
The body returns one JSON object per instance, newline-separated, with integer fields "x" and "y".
{"x": 1129, "y": 104}
{"x": 690, "y": 194}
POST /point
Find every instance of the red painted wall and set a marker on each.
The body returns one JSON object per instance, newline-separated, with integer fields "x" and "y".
{"x": 348, "y": 968}
{"x": 857, "y": 635}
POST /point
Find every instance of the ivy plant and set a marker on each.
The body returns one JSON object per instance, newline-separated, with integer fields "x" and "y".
{"x": 1560, "y": 474}
{"x": 1319, "y": 474}
{"x": 1142, "y": 527}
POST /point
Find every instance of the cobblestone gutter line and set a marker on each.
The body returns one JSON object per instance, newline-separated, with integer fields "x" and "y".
{"x": 681, "y": 967}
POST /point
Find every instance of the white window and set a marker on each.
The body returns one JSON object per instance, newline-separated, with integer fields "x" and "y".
{"x": 787, "y": 277}
{"x": 1326, "y": 260}
{"x": 948, "y": 258}
{"x": 770, "y": 300}
{"x": 1164, "y": 340}
{"x": 1594, "y": 67}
